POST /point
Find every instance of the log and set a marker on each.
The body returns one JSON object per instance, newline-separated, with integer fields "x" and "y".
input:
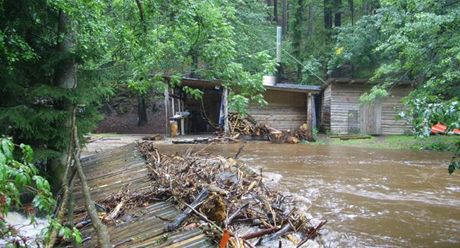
{"x": 181, "y": 217}
{"x": 112, "y": 215}
{"x": 234, "y": 214}
{"x": 286, "y": 228}
{"x": 260, "y": 233}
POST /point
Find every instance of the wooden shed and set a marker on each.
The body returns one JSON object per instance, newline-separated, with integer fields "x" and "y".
{"x": 342, "y": 112}
{"x": 289, "y": 106}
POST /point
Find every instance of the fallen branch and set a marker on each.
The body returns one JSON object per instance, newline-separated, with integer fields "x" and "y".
{"x": 311, "y": 233}
{"x": 260, "y": 233}
{"x": 234, "y": 214}
{"x": 181, "y": 217}
{"x": 286, "y": 228}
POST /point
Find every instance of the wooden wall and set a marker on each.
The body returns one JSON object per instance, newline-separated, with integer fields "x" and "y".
{"x": 285, "y": 110}
{"x": 326, "y": 110}
{"x": 391, "y": 107}
{"x": 345, "y": 103}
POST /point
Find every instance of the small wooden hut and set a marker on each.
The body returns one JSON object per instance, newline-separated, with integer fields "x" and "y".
{"x": 342, "y": 112}
{"x": 289, "y": 106}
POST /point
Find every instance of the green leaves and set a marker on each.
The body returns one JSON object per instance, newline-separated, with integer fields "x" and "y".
{"x": 18, "y": 176}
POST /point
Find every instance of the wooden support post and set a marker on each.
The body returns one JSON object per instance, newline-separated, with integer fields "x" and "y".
{"x": 166, "y": 93}
{"x": 225, "y": 103}
{"x": 310, "y": 117}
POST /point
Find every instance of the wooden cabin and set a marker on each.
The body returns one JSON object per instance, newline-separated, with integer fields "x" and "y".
{"x": 342, "y": 112}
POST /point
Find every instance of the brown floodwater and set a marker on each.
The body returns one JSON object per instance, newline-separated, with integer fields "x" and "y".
{"x": 370, "y": 197}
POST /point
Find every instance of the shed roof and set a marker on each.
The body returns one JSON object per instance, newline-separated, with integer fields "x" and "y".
{"x": 295, "y": 87}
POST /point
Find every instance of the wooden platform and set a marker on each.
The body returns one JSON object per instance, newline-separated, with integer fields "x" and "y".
{"x": 110, "y": 171}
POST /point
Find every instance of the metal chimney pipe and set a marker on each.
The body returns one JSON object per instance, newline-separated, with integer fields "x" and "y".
{"x": 278, "y": 44}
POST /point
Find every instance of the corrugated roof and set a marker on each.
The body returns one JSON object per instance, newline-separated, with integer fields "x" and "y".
{"x": 123, "y": 168}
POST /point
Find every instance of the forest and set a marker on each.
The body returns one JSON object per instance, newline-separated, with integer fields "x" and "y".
{"x": 60, "y": 60}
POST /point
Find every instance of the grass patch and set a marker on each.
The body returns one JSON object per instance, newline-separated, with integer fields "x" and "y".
{"x": 405, "y": 142}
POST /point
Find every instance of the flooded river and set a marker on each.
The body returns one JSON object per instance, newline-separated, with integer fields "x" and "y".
{"x": 370, "y": 197}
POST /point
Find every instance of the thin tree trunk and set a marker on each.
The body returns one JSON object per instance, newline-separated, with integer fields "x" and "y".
{"x": 297, "y": 35}
{"x": 141, "y": 107}
{"x": 284, "y": 16}
{"x": 327, "y": 14}
{"x": 352, "y": 11}
{"x": 141, "y": 110}
{"x": 101, "y": 229}
{"x": 338, "y": 13}
{"x": 311, "y": 20}
{"x": 275, "y": 12}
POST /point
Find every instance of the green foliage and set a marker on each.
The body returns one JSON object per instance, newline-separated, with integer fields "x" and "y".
{"x": 216, "y": 39}
{"x": 33, "y": 108}
{"x": 410, "y": 41}
{"x": 425, "y": 112}
{"x": 18, "y": 176}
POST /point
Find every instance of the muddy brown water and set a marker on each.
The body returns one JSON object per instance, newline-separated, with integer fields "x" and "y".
{"x": 370, "y": 197}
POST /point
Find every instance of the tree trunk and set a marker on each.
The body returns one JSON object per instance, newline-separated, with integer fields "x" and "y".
{"x": 66, "y": 77}
{"x": 285, "y": 16}
{"x": 338, "y": 13}
{"x": 327, "y": 14}
{"x": 101, "y": 229}
{"x": 311, "y": 20}
{"x": 275, "y": 12}
{"x": 141, "y": 110}
{"x": 352, "y": 11}
{"x": 297, "y": 35}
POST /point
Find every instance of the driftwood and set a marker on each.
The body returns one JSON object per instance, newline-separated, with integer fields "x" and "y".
{"x": 226, "y": 181}
{"x": 312, "y": 233}
{"x": 286, "y": 228}
{"x": 260, "y": 233}
{"x": 234, "y": 214}
{"x": 181, "y": 217}
{"x": 112, "y": 215}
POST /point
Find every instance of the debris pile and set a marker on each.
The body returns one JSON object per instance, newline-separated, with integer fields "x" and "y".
{"x": 225, "y": 198}
{"x": 248, "y": 126}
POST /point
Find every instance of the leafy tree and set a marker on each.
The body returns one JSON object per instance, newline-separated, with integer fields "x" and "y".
{"x": 18, "y": 177}
{"x": 415, "y": 41}
{"x": 204, "y": 39}
{"x": 34, "y": 108}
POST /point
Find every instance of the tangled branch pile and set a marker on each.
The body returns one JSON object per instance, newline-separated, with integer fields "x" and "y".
{"x": 226, "y": 199}
{"x": 249, "y": 126}
{"x": 246, "y": 125}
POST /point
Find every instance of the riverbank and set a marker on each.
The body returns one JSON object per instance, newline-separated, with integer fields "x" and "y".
{"x": 400, "y": 142}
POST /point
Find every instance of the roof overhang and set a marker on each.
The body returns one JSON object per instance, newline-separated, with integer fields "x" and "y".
{"x": 314, "y": 89}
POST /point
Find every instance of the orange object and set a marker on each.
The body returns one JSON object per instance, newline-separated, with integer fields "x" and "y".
{"x": 225, "y": 238}
{"x": 439, "y": 128}
{"x": 456, "y": 131}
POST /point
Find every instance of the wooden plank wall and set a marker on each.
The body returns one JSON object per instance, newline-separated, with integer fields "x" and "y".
{"x": 326, "y": 110}
{"x": 391, "y": 107}
{"x": 285, "y": 110}
{"x": 345, "y": 97}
